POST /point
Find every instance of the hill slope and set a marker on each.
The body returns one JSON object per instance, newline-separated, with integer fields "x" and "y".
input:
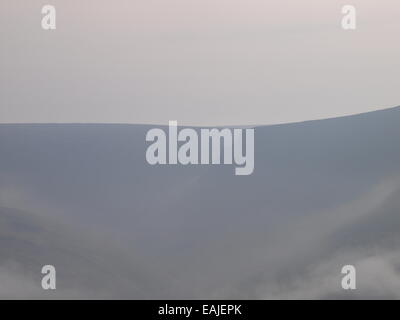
{"x": 323, "y": 194}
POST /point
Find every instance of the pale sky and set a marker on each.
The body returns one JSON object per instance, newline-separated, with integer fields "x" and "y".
{"x": 200, "y": 62}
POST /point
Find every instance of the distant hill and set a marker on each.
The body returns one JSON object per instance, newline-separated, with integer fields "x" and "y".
{"x": 323, "y": 193}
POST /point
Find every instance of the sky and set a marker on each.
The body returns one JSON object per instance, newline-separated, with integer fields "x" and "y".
{"x": 200, "y": 62}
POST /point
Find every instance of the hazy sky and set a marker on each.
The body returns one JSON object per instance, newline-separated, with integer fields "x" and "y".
{"x": 201, "y": 62}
